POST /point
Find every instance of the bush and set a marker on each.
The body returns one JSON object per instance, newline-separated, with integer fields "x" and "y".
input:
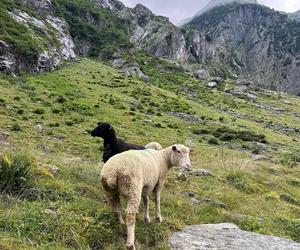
{"x": 39, "y": 111}
{"x": 227, "y": 134}
{"x": 16, "y": 173}
{"x": 213, "y": 141}
{"x": 240, "y": 182}
{"x": 290, "y": 159}
{"x": 16, "y": 127}
{"x": 61, "y": 99}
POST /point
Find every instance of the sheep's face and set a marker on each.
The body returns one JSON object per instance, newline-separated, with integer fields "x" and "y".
{"x": 180, "y": 156}
{"x": 102, "y": 130}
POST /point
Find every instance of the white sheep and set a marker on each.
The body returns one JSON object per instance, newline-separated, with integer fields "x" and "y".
{"x": 154, "y": 145}
{"x": 135, "y": 174}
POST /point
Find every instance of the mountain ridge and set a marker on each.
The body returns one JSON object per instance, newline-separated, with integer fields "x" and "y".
{"x": 247, "y": 40}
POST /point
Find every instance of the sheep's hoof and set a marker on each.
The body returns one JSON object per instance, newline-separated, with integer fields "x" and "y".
{"x": 147, "y": 220}
{"x": 159, "y": 219}
{"x": 130, "y": 246}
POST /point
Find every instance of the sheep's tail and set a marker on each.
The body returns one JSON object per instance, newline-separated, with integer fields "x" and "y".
{"x": 109, "y": 182}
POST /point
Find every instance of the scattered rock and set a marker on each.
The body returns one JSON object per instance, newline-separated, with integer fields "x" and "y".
{"x": 213, "y": 203}
{"x": 279, "y": 110}
{"x": 251, "y": 97}
{"x": 38, "y": 127}
{"x": 261, "y": 158}
{"x": 44, "y": 148}
{"x": 53, "y": 169}
{"x": 218, "y": 79}
{"x": 212, "y": 85}
{"x": 185, "y": 116}
{"x": 226, "y": 236}
{"x": 136, "y": 72}
{"x": 201, "y": 74}
{"x": 243, "y": 82}
{"x": 3, "y": 136}
{"x": 148, "y": 121}
{"x": 51, "y": 211}
{"x": 287, "y": 102}
{"x": 199, "y": 172}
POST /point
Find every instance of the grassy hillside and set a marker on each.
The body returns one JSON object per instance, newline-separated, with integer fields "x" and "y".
{"x": 48, "y": 118}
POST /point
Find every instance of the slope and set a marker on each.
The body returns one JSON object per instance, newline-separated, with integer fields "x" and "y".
{"x": 48, "y": 117}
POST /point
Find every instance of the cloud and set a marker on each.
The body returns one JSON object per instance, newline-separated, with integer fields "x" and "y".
{"x": 178, "y": 10}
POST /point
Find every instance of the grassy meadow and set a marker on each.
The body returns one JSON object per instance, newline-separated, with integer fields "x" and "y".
{"x": 49, "y": 116}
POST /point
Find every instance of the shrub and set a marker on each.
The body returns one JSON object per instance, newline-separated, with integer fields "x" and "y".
{"x": 112, "y": 101}
{"x": 200, "y": 131}
{"x": 290, "y": 159}
{"x": 213, "y": 141}
{"x": 20, "y": 111}
{"x": 16, "y": 173}
{"x": 240, "y": 182}
{"x": 289, "y": 199}
{"x": 39, "y": 111}
{"x": 290, "y": 227}
{"x": 16, "y": 127}
{"x": 227, "y": 134}
{"x": 61, "y": 99}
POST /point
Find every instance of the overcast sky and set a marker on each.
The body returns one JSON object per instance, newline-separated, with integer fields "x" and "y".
{"x": 178, "y": 10}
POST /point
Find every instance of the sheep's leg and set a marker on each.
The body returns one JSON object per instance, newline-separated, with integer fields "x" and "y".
{"x": 132, "y": 210}
{"x": 116, "y": 204}
{"x": 157, "y": 206}
{"x": 146, "y": 208}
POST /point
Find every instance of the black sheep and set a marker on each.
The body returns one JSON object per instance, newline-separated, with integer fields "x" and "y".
{"x": 112, "y": 144}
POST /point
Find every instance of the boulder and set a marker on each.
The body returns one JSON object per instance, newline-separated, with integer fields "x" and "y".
{"x": 226, "y": 236}
{"x": 212, "y": 85}
{"x": 243, "y": 82}
{"x": 261, "y": 158}
{"x": 201, "y": 74}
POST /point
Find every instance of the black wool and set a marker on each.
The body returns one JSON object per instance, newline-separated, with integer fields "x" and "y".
{"x": 112, "y": 144}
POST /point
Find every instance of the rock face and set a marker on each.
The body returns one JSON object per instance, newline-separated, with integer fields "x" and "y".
{"x": 217, "y": 3}
{"x": 111, "y": 4}
{"x": 256, "y": 42}
{"x": 226, "y": 236}
{"x": 295, "y": 16}
{"x": 51, "y": 35}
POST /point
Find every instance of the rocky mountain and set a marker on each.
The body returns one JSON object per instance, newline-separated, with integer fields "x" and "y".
{"x": 240, "y": 39}
{"x": 217, "y": 3}
{"x": 40, "y": 35}
{"x": 296, "y": 16}
{"x": 213, "y": 4}
{"x": 32, "y": 39}
{"x": 255, "y": 41}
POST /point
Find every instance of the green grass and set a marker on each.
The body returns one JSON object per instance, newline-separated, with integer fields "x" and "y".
{"x": 49, "y": 116}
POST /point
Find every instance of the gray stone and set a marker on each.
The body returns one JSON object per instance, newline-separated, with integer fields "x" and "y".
{"x": 261, "y": 158}
{"x": 53, "y": 169}
{"x": 136, "y": 72}
{"x": 251, "y": 97}
{"x": 217, "y": 79}
{"x": 226, "y": 236}
{"x": 244, "y": 82}
{"x": 199, "y": 172}
{"x": 201, "y": 74}
{"x": 212, "y": 85}
{"x": 213, "y": 203}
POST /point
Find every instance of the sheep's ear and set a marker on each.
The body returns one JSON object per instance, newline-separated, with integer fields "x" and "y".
{"x": 174, "y": 148}
{"x": 99, "y": 123}
{"x": 110, "y": 128}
